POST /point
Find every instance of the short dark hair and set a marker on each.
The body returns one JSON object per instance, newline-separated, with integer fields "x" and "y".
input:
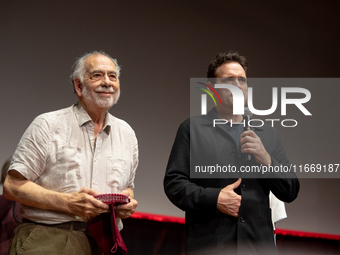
{"x": 222, "y": 58}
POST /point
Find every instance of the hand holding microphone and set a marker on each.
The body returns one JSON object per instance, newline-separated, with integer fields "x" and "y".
{"x": 247, "y": 117}
{"x": 251, "y": 144}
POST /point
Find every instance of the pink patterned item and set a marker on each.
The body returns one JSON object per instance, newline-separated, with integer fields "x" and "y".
{"x": 110, "y": 198}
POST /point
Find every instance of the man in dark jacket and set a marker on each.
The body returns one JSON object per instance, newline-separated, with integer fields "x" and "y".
{"x": 228, "y": 215}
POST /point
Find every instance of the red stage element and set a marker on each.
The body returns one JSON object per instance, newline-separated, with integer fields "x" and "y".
{"x": 284, "y": 232}
{"x": 158, "y": 217}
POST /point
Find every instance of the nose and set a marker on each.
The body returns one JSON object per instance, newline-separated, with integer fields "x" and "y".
{"x": 237, "y": 82}
{"x": 106, "y": 82}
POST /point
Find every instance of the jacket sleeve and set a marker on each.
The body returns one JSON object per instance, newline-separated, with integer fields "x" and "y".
{"x": 178, "y": 187}
{"x": 283, "y": 182}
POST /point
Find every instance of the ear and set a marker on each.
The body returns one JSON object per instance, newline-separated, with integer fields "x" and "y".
{"x": 78, "y": 86}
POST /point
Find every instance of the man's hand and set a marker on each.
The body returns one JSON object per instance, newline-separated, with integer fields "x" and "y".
{"x": 124, "y": 211}
{"x": 228, "y": 201}
{"x": 83, "y": 204}
{"x": 251, "y": 143}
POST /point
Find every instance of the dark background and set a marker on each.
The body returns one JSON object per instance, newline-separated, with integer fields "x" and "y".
{"x": 161, "y": 45}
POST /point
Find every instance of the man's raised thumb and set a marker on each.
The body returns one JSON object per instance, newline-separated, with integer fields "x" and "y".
{"x": 235, "y": 184}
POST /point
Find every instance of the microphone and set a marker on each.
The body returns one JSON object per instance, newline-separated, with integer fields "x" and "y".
{"x": 247, "y": 115}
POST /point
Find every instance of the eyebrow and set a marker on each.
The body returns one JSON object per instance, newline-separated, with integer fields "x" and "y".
{"x": 234, "y": 77}
{"x": 100, "y": 71}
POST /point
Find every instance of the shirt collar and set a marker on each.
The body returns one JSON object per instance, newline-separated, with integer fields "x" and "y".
{"x": 83, "y": 117}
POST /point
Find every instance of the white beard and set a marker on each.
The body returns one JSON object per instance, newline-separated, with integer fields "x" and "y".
{"x": 101, "y": 101}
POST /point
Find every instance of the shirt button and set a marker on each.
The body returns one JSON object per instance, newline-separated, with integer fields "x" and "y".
{"x": 241, "y": 219}
{"x": 243, "y": 185}
{"x": 233, "y": 153}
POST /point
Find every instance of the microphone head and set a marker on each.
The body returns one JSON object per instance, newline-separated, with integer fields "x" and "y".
{"x": 247, "y": 112}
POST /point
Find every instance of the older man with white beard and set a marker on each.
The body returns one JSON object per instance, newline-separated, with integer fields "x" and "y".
{"x": 66, "y": 157}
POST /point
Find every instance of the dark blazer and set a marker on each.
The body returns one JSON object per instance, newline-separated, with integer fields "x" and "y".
{"x": 198, "y": 143}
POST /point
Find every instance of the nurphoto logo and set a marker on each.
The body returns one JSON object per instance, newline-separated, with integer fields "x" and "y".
{"x": 238, "y": 103}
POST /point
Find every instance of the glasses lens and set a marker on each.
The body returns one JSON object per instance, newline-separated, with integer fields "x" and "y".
{"x": 96, "y": 76}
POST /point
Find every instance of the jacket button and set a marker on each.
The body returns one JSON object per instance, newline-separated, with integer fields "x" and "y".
{"x": 233, "y": 153}
{"x": 243, "y": 185}
{"x": 241, "y": 219}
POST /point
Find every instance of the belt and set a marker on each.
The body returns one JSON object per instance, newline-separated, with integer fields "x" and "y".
{"x": 71, "y": 225}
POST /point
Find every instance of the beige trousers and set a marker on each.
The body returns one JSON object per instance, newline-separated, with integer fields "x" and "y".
{"x": 35, "y": 239}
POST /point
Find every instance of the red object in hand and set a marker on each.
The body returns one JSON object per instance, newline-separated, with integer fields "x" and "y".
{"x": 104, "y": 227}
{"x": 113, "y": 198}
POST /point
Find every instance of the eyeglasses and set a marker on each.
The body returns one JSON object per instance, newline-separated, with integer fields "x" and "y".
{"x": 99, "y": 75}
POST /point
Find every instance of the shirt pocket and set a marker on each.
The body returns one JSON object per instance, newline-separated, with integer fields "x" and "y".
{"x": 116, "y": 174}
{"x": 69, "y": 167}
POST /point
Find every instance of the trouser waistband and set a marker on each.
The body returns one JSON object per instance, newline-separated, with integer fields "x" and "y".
{"x": 71, "y": 225}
